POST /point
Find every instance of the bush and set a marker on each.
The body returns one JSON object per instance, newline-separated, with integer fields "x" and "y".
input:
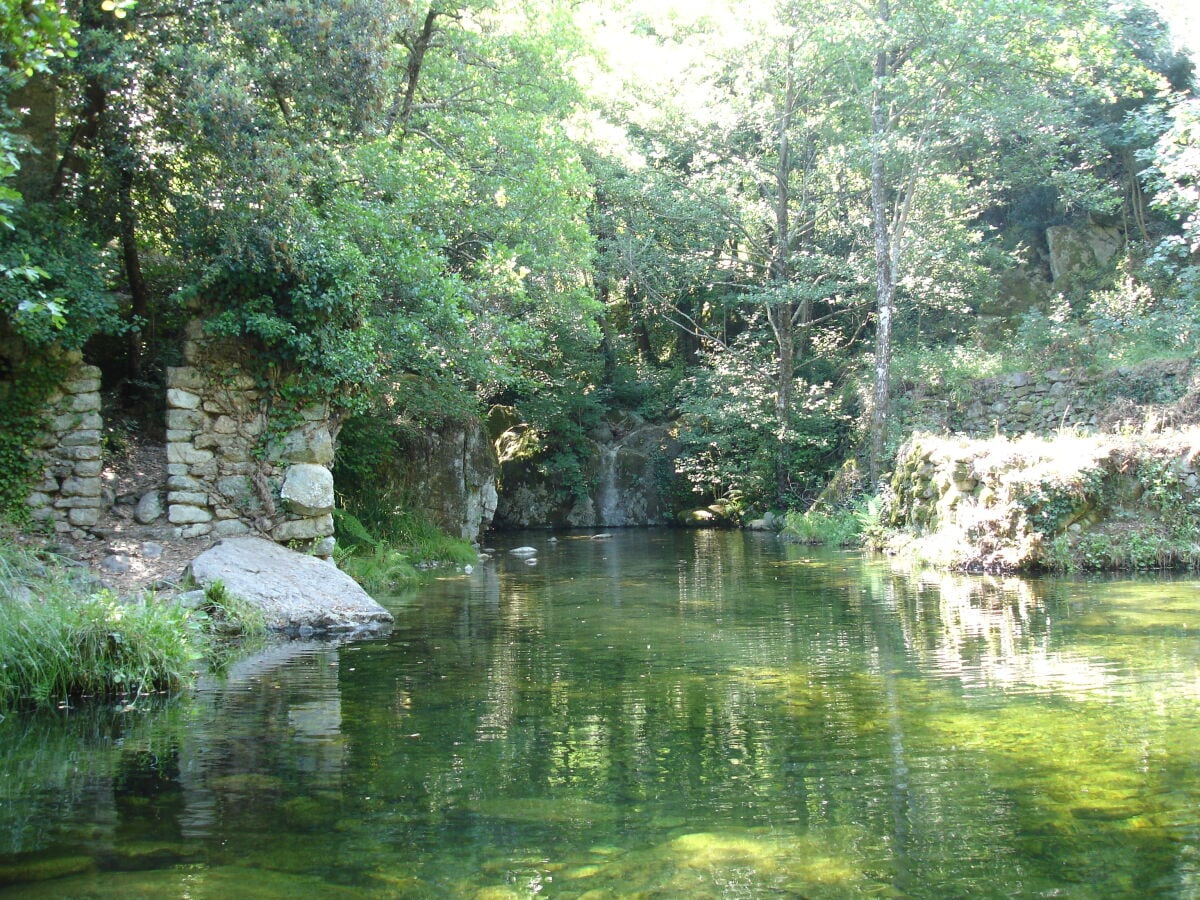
{"x": 382, "y": 563}
{"x": 859, "y": 525}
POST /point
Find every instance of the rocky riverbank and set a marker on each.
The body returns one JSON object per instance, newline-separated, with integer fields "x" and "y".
{"x": 1069, "y": 502}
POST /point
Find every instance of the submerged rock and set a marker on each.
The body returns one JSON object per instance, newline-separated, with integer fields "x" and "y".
{"x": 292, "y": 590}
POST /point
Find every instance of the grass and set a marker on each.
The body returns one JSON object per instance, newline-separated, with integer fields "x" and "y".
{"x": 380, "y": 564}
{"x": 847, "y": 526}
{"x": 60, "y": 641}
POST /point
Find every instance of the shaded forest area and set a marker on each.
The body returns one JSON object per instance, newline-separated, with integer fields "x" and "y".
{"x": 758, "y": 222}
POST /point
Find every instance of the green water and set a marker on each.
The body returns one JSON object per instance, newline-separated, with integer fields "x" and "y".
{"x": 664, "y": 714}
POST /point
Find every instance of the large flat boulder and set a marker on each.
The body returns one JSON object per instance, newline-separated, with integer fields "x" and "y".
{"x": 296, "y": 592}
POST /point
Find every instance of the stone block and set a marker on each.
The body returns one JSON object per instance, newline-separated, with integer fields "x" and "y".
{"x": 187, "y": 378}
{"x": 81, "y": 487}
{"x": 88, "y": 437}
{"x": 234, "y": 487}
{"x": 89, "y": 402}
{"x": 225, "y": 425}
{"x": 178, "y": 468}
{"x": 195, "y": 530}
{"x": 78, "y": 503}
{"x": 303, "y": 529}
{"x": 235, "y": 450}
{"x": 185, "y": 419}
{"x": 37, "y": 500}
{"x": 188, "y": 498}
{"x": 188, "y": 515}
{"x": 183, "y": 483}
{"x": 83, "y": 518}
{"x": 180, "y": 452}
{"x": 83, "y": 452}
{"x": 205, "y": 469}
{"x": 149, "y": 507}
{"x": 81, "y": 384}
{"x": 206, "y": 440}
{"x": 88, "y": 468}
{"x": 177, "y": 398}
{"x": 308, "y": 489}
{"x": 232, "y": 528}
{"x": 310, "y": 444}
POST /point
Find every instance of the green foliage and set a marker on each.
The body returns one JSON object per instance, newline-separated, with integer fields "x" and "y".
{"x": 225, "y": 615}
{"x": 52, "y": 290}
{"x": 60, "y": 641}
{"x": 390, "y": 560}
{"x": 856, "y": 525}
{"x": 22, "y": 421}
{"x": 732, "y": 442}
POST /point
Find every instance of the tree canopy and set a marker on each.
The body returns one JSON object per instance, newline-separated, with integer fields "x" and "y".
{"x": 732, "y": 215}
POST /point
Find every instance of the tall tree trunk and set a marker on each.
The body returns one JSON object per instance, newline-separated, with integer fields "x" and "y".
{"x": 782, "y": 314}
{"x": 641, "y": 330}
{"x": 139, "y": 299}
{"x": 38, "y": 98}
{"x": 885, "y": 283}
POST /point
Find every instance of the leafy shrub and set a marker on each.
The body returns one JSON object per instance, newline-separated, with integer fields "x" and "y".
{"x": 859, "y": 525}
{"x": 731, "y": 441}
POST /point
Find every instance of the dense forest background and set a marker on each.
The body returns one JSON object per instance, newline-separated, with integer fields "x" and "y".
{"x": 757, "y": 221}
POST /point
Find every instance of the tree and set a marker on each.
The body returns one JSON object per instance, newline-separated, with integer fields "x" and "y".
{"x": 946, "y": 81}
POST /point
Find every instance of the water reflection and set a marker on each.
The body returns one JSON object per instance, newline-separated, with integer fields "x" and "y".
{"x": 680, "y": 714}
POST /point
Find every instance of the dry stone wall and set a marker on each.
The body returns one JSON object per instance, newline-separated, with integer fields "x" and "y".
{"x": 238, "y": 463}
{"x": 69, "y": 497}
{"x": 1044, "y": 402}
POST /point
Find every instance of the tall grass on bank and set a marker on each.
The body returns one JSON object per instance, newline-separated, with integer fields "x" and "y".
{"x": 59, "y": 641}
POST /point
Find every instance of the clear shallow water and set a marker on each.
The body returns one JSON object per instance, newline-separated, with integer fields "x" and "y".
{"x": 664, "y": 714}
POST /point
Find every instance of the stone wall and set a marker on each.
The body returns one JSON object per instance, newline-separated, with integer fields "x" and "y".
{"x": 1159, "y": 392}
{"x": 238, "y": 463}
{"x": 69, "y": 495}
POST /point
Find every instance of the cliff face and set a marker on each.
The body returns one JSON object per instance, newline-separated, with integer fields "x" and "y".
{"x": 624, "y": 478}
{"x": 450, "y": 475}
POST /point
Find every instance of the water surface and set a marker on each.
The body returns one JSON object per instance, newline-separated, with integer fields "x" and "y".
{"x": 662, "y": 714}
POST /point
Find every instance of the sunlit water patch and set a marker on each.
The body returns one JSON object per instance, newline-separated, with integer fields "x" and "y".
{"x": 659, "y": 714}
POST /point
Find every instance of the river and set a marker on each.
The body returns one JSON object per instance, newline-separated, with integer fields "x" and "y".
{"x": 660, "y": 714}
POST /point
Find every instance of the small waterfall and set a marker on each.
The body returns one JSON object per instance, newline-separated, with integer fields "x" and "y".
{"x": 608, "y": 497}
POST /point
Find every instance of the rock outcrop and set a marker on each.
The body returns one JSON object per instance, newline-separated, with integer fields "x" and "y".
{"x": 625, "y": 474}
{"x": 297, "y": 593}
{"x": 450, "y": 475}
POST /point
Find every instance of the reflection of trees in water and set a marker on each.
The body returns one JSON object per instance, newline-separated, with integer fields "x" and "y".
{"x": 67, "y": 772}
{"x": 990, "y": 632}
{"x": 175, "y": 770}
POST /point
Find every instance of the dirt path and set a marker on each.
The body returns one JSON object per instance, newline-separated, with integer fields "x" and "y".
{"x": 130, "y": 557}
